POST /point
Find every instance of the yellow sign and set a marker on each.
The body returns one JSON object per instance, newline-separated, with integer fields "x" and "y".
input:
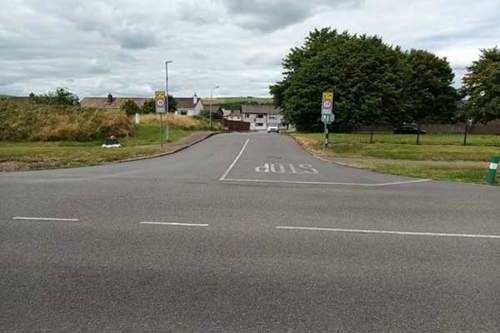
{"x": 159, "y": 94}
{"x": 328, "y": 96}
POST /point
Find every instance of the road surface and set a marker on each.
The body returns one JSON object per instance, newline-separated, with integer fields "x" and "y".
{"x": 245, "y": 233}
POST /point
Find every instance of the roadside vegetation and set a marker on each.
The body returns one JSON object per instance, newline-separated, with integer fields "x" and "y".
{"x": 437, "y": 157}
{"x": 42, "y": 135}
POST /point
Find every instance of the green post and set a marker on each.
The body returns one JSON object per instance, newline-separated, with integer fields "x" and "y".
{"x": 492, "y": 171}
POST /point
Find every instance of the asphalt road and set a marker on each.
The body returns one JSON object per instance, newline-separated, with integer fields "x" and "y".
{"x": 260, "y": 237}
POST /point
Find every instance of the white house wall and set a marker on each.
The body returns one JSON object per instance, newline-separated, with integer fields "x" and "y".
{"x": 257, "y": 124}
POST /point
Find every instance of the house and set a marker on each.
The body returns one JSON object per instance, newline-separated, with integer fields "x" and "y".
{"x": 260, "y": 116}
{"x": 189, "y": 106}
{"x": 110, "y": 102}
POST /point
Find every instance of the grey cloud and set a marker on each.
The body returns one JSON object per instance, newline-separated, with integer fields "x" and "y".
{"x": 93, "y": 47}
{"x": 270, "y": 15}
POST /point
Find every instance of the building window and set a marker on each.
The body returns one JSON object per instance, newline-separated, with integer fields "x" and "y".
{"x": 272, "y": 117}
{"x": 184, "y": 113}
{"x": 247, "y": 115}
{"x": 259, "y": 124}
{"x": 260, "y": 116}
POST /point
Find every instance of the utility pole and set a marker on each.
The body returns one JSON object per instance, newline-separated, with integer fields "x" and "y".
{"x": 211, "y": 98}
{"x": 166, "y": 97}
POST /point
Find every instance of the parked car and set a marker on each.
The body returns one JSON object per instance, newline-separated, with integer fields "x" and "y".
{"x": 408, "y": 129}
{"x": 273, "y": 128}
{"x": 111, "y": 142}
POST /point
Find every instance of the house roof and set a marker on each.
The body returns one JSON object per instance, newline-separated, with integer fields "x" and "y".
{"x": 260, "y": 109}
{"x": 186, "y": 102}
{"x": 103, "y": 102}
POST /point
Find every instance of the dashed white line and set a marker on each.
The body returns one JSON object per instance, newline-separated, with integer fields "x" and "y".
{"x": 235, "y": 160}
{"x": 389, "y": 232}
{"x": 177, "y": 224}
{"x": 325, "y": 183}
{"x": 43, "y": 218}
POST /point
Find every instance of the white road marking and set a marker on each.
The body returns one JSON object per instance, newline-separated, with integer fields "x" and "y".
{"x": 324, "y": 183}
{"x": 390, "y": 232}
{"x": 43, "y": 218}
{"x": 177, "y": 224}
{"x": 235, "y": 161}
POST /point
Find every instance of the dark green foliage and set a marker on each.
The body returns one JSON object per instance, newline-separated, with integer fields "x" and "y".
{"x": 59, "y": 97}
{"x": 148, "y": 106}
{"x": 482, "y": 87}
{"x": 129, "y": 107}
{"x": 372, "y": 82}
{"x": 428, "y": 95}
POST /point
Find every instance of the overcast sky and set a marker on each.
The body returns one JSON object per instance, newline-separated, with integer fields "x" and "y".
{"x": 94, "y": 47}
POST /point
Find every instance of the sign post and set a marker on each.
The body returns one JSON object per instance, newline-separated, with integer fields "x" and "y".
{"x": 160, "y": 108}
{"x": 327, "y": 116}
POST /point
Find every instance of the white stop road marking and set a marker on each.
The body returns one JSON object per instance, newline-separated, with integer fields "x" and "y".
{"x": 287, "y": 168}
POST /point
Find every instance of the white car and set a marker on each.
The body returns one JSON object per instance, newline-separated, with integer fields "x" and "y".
{"x": 111, "y": 142}
{"x": 273, "y": 128}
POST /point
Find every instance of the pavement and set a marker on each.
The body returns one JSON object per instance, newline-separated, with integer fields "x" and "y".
{"x": 245, "y": 233}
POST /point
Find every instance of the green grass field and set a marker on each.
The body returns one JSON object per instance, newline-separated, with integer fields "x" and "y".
{"x": 437, "y": 157}
{"x": 61, "y": 154}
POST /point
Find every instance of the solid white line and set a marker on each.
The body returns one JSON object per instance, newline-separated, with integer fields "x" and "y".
{"x": 178, "y": 224}
{"x": 324, "y": 183}
{"x": 42, "y": 218}
{"x": 390, "y": 232}
{"x": 235, "y": 160}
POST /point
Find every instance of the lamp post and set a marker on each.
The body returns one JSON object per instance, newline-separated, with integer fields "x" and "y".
{"x": 166, "y": 95}
{"x": 211, "y": 98}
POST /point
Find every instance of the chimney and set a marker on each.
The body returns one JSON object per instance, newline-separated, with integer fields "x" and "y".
{"x": 110, "y": 98}
{"x": 195, "y": 99}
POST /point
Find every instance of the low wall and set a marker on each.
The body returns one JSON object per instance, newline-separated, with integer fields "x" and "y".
{"x": 239, "y": 126}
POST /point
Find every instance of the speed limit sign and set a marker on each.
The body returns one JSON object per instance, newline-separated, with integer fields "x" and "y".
{"x": 160, "y": 101}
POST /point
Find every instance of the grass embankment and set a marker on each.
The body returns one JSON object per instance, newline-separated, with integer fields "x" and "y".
{"x": 437, "y": 157}
{"x": 28, "y": 155}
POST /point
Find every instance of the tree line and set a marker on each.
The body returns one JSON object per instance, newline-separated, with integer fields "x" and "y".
{"x": 375, "y": 83}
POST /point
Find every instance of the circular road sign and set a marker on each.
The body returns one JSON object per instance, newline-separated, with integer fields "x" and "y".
{"x": 327, "y": 104}
{"x": 160, "y": 103}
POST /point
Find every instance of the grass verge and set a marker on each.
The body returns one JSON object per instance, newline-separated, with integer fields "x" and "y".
{"x": 438, "y": 157}
{"x": 16, "y": 156}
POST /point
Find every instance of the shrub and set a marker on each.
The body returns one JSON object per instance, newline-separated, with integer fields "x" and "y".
{"x": 129, "y": 107}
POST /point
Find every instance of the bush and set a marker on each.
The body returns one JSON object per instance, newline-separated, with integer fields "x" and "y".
{"x": 129, "y": 107}
{"x": 39, "y": 122}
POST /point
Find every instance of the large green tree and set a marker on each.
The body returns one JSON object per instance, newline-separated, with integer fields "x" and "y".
{"x": 482, "y": 87}
{"x": 428, "y": 91}
{"x": 373, "y": 82}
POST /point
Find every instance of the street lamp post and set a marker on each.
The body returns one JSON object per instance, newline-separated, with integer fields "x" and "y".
{"x": 166, "y": 95}
{"x": 211, "y": 98}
